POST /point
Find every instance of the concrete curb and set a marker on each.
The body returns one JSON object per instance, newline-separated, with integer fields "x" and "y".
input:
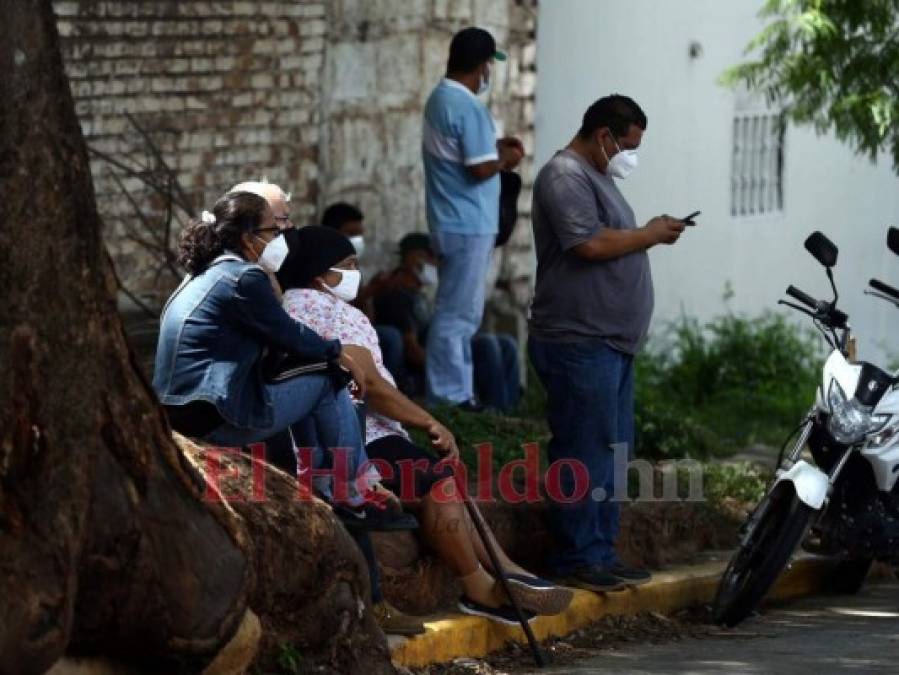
{"x": 454, "y": 635}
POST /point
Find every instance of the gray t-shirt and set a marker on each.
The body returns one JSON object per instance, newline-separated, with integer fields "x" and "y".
{"x": 578, "y": 299}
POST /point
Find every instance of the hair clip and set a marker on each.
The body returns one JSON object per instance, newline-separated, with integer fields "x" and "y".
{"x": 207, "y": 218}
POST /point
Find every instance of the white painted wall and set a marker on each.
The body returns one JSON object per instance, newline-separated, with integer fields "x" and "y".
{"x": 589, "y": 48}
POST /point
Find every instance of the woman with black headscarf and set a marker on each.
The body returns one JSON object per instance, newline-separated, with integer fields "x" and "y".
{"x": 320, "y": 278}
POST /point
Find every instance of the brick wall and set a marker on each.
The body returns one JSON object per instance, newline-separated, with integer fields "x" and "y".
{"x": 322, "y": 96}
{"x": 229, "y": 90}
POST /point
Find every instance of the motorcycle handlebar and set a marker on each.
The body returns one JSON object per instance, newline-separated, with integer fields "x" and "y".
{"x": 802, "y": 297}
{"x": 886, "y": 289}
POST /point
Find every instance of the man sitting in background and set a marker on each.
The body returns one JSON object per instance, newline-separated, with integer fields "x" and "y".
{"x": 346, "y": 219}
{"x": 400, "y": 302}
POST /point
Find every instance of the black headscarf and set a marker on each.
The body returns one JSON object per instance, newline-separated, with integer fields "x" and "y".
{"x": 312, "y": 251}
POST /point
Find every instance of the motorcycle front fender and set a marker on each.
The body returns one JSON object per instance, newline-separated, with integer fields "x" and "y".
{"x": 810, "y": 483}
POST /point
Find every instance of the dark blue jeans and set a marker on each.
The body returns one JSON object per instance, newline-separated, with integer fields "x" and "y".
{"x": 496, "y": 377}
{"x": 590, "y": 407}
{"x": 393, "y": 351}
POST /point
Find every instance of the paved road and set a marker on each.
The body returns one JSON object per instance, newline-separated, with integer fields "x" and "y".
{"x": 816, "y": 636}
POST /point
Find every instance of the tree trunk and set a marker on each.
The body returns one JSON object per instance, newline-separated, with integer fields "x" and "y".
{"x": 311, "y": 578}
{"x": 99, "y": 517}
{"x": 107, "y": 544}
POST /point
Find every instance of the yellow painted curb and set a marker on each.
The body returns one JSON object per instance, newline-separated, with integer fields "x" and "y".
{"x": 452, "y": 636}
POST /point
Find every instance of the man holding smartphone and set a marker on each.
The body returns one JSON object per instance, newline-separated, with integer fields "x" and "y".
{"x": 589, "y": 318}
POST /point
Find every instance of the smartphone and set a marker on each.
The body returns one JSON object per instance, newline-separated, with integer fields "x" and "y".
{"x": 689, "y": 219}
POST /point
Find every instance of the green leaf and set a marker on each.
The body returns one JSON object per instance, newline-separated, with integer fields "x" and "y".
{"x": 833, "y": 64}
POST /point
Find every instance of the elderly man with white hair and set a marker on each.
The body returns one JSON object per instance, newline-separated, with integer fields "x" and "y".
{"x": 277, "y": 199}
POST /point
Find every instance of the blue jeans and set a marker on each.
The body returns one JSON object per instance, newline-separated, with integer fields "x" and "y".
{"x": 393, "y": 351}
{"x": 590, "y": 406}
{"x": 458, "y": 309}
{"x": 496, "y": 377}
{"x": 308, "y": 402}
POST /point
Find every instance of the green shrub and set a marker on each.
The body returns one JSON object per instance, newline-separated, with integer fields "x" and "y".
{"x": 716, "y": 387}
{"x": 664, "y": 432}
{"x": 744, "y": 483}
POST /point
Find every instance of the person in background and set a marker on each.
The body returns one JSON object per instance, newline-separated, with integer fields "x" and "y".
{"x": 348, "y": 220}
{"x": 462, "y": 161}
{"x": 497, "y": 376}
{"x": 400, "y": 302}
{"x": 320, "y": 278}
{"x": 589, "y": 318}
{"x": 278, "y": 200}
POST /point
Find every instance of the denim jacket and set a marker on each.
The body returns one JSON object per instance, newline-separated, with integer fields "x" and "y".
{"x": 212, "y": 333}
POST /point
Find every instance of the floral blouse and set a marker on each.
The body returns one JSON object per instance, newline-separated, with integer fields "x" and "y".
{"x": 334, "y": 319}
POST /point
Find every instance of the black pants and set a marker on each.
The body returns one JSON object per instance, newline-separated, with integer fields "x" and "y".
{"x": 415, "y": 471}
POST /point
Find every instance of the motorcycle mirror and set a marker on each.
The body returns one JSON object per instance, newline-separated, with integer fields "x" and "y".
{"x": 893, "y": 239}
{"x": 823, "y": 249}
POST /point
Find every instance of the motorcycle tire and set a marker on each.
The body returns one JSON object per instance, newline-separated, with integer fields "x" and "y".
{"x": 773, "y": 532}
{"x": 849, "y": 575}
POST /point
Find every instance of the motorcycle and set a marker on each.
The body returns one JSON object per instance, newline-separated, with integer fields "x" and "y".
{"x": 837, "y": 484}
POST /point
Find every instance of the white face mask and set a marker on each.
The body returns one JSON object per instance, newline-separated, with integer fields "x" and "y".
{"x": 484, "y": 85}
{"x": 623, "y": 163}
{"x": 358, "y": 243}
{"x": 428, "y": 275}
{"x": 348, "y": 288}
{"x": 273, "y": 254}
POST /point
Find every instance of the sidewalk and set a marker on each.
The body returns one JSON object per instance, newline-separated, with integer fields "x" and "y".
{"x": 455, "y": 635}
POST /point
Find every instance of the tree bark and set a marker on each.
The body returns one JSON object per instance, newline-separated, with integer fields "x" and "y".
{"x": 312, "y": 581}
{"x": 107, "y": 543}
{"x": 99, "y": 517}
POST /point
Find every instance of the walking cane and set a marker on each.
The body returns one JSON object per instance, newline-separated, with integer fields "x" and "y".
{"x": 481, "y": 527}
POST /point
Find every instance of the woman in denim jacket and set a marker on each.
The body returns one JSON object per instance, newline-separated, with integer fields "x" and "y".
{"x": 208, "y": 367}
{"x": 213, "y": 332}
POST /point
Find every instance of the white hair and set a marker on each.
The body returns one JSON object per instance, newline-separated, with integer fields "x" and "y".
{"x": 259, "y": 187}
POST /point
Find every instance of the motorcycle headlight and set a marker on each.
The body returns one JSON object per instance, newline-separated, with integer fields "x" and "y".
{"x": 850, "y": 421}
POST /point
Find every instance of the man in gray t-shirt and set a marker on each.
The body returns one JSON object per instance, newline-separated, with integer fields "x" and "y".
{"x": 579, "y": 298}
{"x": 589, "y": 317}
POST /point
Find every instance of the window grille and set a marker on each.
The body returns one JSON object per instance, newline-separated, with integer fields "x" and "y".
{"x": 757, "y": 164}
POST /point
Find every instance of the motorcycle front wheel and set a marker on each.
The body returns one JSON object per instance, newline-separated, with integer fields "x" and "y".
{"x": 773, "y": 531}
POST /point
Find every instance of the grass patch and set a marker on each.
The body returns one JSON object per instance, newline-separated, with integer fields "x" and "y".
{"x": 506, "y": 433}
